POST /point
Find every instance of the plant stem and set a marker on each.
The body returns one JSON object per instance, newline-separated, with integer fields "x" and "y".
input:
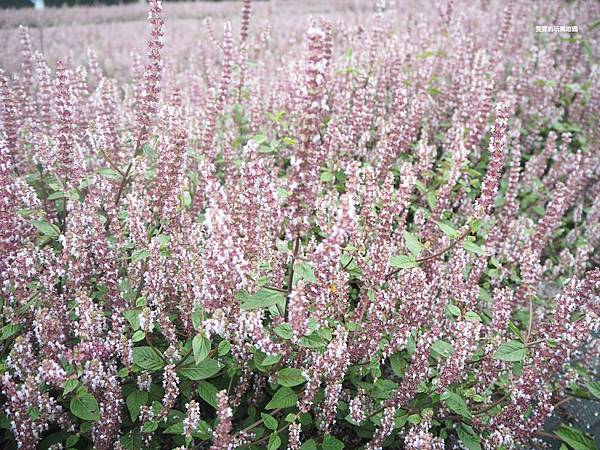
{"x": 291, "y": 274}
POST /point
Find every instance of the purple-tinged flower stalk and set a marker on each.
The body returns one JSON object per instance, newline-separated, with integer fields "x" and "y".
{"x": 222, "y": 439}
{"x": 489, "y": 187}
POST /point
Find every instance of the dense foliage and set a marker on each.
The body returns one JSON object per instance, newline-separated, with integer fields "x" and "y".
{"x": 373, "y": 235}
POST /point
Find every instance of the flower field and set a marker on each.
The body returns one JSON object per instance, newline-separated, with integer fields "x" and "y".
{"x": 300, "y": 225}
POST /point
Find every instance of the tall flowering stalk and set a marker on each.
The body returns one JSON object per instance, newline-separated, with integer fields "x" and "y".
{"x": 300, "y": 236}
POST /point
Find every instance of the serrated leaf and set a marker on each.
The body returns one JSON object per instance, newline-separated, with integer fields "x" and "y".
{"x": 139, "y": 255}
{"x": 269, "y": 421}
{"x": 575, "y": 438}
{"x": 263, "y": 298}
{"x": 304, "y": 271}
{"x": 474, "y": 248}
{"x": 138, "y": 336}
{"x": 397, "y": 364}
{"x": 197, "y": 320}
{"x": 453, "y": 309}
{"x": 9, "y": 330}
{"x": 72, "y": 440}
{"x": 186, "y": 199}
{"x": 285, "y": 397}
{"x": 412, "y": 243}
{"x": 270, "y": 360}
{"x": 290, "y": 377}
{"x": 472, "y": 316}
{"x": 332, "y": 443}
{"x": 414, "y": 419}
{"x": 403, "y": 262}
{"x": 511, "y": 351}
{"x": 133, "y": 317}
{"x": 458, "y": 404}
{"x": 442, "y": 348}
{"x": 284, "y": 331}
{"x": 309, "y": 445}
{"x": 208, "y": 393}
{"x": 135, "y": 400}
{"x": 200, "y": 347}
{"x": 223, "y": 348}
{"x": 274, "y": 442}
{"x": 448, "y": 230}
{"x": 149, "y": 426}
{"x": 69, "y": 386}
{"x": 176, "y": 428}
{"x": 594, "y": 388}
{"x": 469, "y": 440}
{"x": 147, "y": 358}
{"x": 110, "y": 173}
{"x": 85, "y": 407}
{"x": 206, "y": 369}
{"x": 46, "y": 228}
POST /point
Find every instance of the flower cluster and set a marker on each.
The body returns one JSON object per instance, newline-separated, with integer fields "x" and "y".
{"x": 324, "y": 233}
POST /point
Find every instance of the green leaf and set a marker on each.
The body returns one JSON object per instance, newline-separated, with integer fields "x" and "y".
{"x": 290, "y": 377}
{"x": 309, "y": 445}
{"x": 594, "y": 388}
{"x": 149, "y": 427}
{"x": 139, "y": 255}
{"x": 442, "y": 348}
{"x": 138, "y": 336}
{"x": 312, "y": 341}
{"x": 285, "y": 397}
{"x": 135, "y": 401}
{"x": 197, "y": 319}
{"x": 474, "y": 248}
{"x": 206, "y": 369}
{"x": 85, "y": 407}
{"x": 263, "y": 298}
{"x": 403, "y": 262}
{"x": 132, "y": 440}
{"x": 414, "y": 419}
{"x": 469, "y": 440}
{"x": 412, "y": 243}
{"x": 274, "y": 442}
{"x": 69, "y": 386}
{"x": 575, "y": 438}
{"x": 186, "y": 199}
{"x": 270, "y": 360}
{"x": 458, "y": 404}
{"x": 201, "y": 347}
{"x": 269, "y": 421}
{"x": 46, "y": 228}
{"x": 472, "y": 316}
{"x": 208, "y": 393}
{"x": 9, "y": 330}
{"x": 398, "y": 364}
{"x": 260, "y": 139}
{"x": 284, "y": 331}
{"x": 331, "y": 443}
{"x": 448, "y": 230}
{"x": 110, "y": 173}
{"x": 176, "y": 428}
{"x": 304, "y": 271}
{"x": 72, "y": 440}
{"x": 133, "y": 317}
{"x": 147, "y": 358}
{"x": 511, "y": 351}
{"x": 453, "y": 309}
{"x": 223, "y": 348}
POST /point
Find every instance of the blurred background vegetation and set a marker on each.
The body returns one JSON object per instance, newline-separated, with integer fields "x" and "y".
{"x": 56, "y": 3}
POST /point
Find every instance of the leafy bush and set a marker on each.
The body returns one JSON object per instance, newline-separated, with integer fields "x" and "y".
{"x": 388, "y": 241}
